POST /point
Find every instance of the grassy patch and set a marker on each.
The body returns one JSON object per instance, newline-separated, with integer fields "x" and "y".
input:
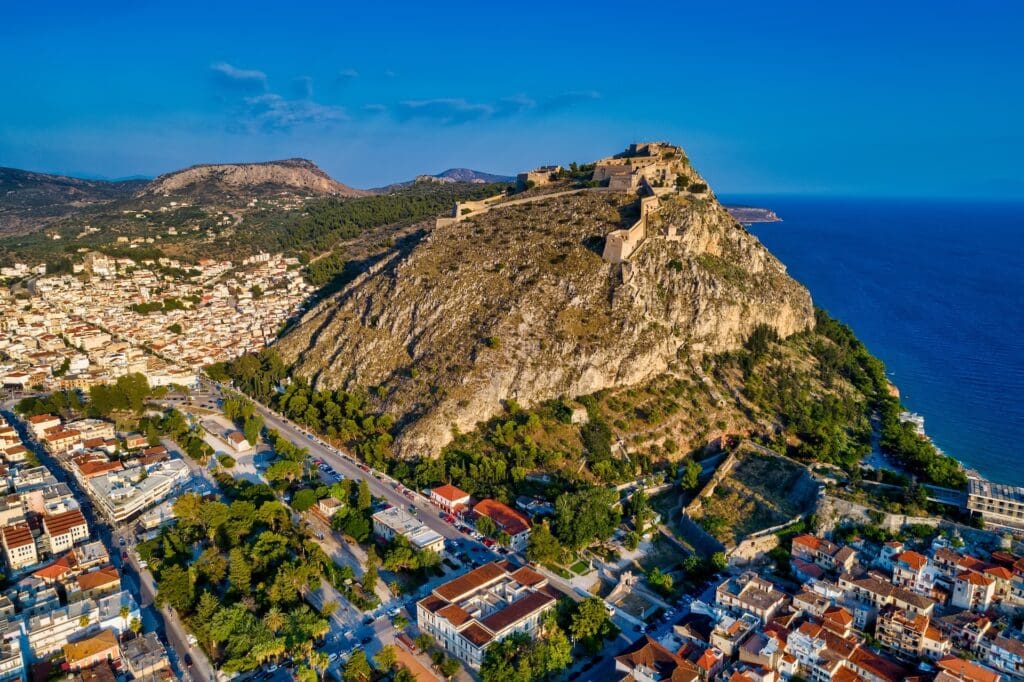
{"x": 559, "y": 571}
{"x": 579, "y": 568}
{"x": 664, "y": 554}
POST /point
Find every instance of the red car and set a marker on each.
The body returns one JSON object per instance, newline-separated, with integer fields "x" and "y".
{"x": 449, "y": 518}
{"x": 489, "y": 542}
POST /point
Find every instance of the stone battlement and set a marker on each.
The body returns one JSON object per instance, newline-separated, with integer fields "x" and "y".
{"x": 648, "y": 168}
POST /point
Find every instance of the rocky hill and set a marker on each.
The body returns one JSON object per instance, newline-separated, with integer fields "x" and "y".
{"x": 470, "y": 175}
{"x": 751, "y": 214}
{"x": 296, "y": 175}
{"x": 451, "y": 175}
{"x": 30, "y": 201}
{"x": 517, "y": 303}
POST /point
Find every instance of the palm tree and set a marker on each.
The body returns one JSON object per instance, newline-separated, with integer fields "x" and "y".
{"x": 274, "y": 620}
{"x": 125, "y": 612}
{"x": 319, "y": 660}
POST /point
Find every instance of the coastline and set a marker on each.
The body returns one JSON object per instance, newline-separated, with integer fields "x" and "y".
{"x": 748, "y": 215}
{"x": 883, "y": 267}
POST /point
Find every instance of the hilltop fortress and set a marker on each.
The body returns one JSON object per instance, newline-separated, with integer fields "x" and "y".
{"x": 591, "y": 277}
{"x": 649, "y": 169}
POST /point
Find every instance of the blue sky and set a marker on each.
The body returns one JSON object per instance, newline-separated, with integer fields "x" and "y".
{"x": 894, "y": 98}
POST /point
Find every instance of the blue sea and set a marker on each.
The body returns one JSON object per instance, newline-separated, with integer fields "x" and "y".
{"x": 936, "y": 290}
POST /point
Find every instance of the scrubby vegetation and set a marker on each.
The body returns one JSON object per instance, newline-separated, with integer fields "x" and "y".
{"x": 332, "y": 220}
{"x": 812, "y": 396}
{"x": 825, "y": 389}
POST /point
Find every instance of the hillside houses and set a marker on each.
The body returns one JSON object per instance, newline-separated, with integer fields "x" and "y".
{"x": 216, "y": 313}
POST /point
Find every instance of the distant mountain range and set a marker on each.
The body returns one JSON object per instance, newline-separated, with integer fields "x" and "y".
{"x": 450, "y": 175}
{"x": 31, "y": 201}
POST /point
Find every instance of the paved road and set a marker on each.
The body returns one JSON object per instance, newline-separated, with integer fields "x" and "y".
{"x": 166, "y": 628}
{"x": 381, "y": 485}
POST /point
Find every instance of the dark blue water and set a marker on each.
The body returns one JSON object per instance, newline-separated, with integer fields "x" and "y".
{"x": 935, "y": 289}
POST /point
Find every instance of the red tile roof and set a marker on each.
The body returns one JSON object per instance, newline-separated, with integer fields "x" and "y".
{"x": 527, "y": 576}
{"x": 477, "y": 635}
{"x": 912, "y": 559}
{"x": 475, "y": 579}
{"x": 101, "y": 577}
{"x": 18, "y": 535}
{"x": 450, "y": 492}
{"x": 967, "y": 671}
{"x": 504, "y": 516}
{"x": 975, "y": 578}
{"x": 58, "y": 569}
{"x": 59, "y": 524}
{"x": 516, "y": 611}
{"x": 454, "y": 614}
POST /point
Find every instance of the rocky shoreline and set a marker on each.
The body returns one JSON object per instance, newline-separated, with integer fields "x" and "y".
{"x": 752, "y": 214}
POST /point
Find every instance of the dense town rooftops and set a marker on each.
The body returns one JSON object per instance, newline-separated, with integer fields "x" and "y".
{"x": 885, "y": 588}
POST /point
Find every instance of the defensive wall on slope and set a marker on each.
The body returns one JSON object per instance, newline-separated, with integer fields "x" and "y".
{"x": 649, "y": 169}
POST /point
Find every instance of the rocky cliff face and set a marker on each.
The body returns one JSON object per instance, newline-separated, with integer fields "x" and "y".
{"x": 517, "y": 303}
{"x": 294, "y": 174}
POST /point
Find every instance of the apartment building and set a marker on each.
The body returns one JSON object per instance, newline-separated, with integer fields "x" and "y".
{"x": 752, "y": 594}
{"x": 973, "y": 591}
{"x": 94, "y": 584}
{"x": 645, "y": 660}
{"x": 825, "y": 554}
{"x": 910, "y": 636}
{"x": 12, "y": 663}
{"x": 144, "y": 657}
{"x": 120, "y": 495}
{"x": 998, "y": 504}
{"x": 914, "y": 571}
{"x": 467, "y": 614}
{"x": 39, "y": 424}
{"x": 87, "y": 652}
{"x": 48, "y": 632}
{"x": 873, "y": 593}
{"x": 63, "y": 531}
{"x": 394, "y": 521}
{"x": 90, "y": 429}
{"x": 61, "y": 440}
{"x": 19, "y": 546}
